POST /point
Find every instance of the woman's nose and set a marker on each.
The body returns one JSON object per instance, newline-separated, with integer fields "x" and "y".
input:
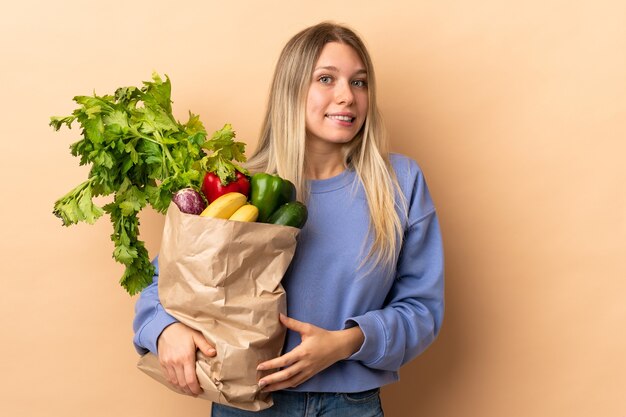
{"x": 343, "y": 93}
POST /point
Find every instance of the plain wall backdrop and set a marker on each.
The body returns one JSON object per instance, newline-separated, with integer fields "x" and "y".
{"x": 515, "y": 110}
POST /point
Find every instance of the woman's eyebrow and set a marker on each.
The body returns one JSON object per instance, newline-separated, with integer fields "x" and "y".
{"x": 335, "y": 69}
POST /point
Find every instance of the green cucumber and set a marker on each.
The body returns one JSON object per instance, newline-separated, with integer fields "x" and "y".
{"x": 293, "y": 213}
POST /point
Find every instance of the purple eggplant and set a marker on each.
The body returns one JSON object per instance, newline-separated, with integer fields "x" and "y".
{"x": 189, "y": 201}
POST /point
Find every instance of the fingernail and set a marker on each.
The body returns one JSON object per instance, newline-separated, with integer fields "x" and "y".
{"x": 260, "y": 368}
{"x": 262, "y": 384}
{"x": 212, "y": 351}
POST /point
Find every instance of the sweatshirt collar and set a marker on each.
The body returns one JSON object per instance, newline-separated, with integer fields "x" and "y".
{"x": 341, "y": 180}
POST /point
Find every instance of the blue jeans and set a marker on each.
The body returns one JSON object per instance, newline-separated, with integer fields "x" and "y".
{"x": 312, "y": 404}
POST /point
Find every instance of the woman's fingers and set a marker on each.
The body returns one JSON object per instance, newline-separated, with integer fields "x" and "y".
{"x": 183, "y": 377}
{"x": 294, "y": 371}
{"x": 202, "y": 344}
{"x": 191, "y": 380}
{"x": 177, "y": 354}
{"x": 170, "y": 374}
{"x": 287, "y": 378}
{"x": 180, "y": 377}
{"x": 279, "y": 362}
{"x": 295, "y": 325}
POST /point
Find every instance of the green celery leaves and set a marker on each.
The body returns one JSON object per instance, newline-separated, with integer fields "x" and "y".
{"x": 140, "y": 154}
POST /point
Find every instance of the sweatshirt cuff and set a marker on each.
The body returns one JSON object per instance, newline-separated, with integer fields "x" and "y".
{"x": 149, "y": 334}
{"x": 373, "y": 348}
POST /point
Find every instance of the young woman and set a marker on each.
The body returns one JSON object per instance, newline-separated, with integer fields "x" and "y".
{"x": 365, "y": 287}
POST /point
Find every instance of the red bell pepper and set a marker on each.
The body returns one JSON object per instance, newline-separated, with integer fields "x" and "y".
{"x": 212, "y": 186}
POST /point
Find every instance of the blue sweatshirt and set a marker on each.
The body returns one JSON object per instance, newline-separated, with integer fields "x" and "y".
{"x": 399, "y": 310}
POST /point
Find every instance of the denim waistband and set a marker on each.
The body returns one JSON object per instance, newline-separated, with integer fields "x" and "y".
{"x": 312, "y": 404}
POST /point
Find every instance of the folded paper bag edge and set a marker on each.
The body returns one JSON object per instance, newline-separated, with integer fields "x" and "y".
{"x": 149, "y": 364}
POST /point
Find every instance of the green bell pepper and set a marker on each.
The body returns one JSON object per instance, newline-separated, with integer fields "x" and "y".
{"x": 268, "y": 192}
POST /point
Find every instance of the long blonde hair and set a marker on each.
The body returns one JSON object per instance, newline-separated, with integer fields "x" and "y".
{"x": 281, "y": 148}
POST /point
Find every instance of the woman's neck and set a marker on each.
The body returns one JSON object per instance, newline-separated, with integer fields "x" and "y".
{"x": 323, "y": 164}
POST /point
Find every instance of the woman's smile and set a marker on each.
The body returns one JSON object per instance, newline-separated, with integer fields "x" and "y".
{"x": 343, "y": 119}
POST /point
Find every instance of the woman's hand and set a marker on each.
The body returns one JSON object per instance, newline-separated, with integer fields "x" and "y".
{"x": 177, "y": 347}
{"x": 319, "y": 349}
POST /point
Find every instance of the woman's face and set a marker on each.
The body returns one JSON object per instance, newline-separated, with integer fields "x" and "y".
{"x": 337, "y": 101}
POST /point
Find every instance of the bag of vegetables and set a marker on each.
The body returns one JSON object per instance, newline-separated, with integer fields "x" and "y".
{"x": 222, "y": 278}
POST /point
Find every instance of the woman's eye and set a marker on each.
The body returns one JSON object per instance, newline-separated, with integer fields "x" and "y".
{"x": 359, "y": 83}
{"x": 325, "y": 79}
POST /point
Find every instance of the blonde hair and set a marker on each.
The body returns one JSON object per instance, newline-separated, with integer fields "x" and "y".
{"x": 281, "y": 148}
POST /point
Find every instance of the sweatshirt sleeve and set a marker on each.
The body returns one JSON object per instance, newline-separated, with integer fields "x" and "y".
{"x": 150, "y": 317}
{"x": 413, "y": 311}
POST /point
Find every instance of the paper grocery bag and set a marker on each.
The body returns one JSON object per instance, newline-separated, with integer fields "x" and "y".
{"x": 222, "y": 278}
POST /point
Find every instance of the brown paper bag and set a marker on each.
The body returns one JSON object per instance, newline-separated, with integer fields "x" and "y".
{"x": 222, "y": 278}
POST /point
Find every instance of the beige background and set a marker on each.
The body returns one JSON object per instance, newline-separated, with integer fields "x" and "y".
{"x": 515, "y": 110}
